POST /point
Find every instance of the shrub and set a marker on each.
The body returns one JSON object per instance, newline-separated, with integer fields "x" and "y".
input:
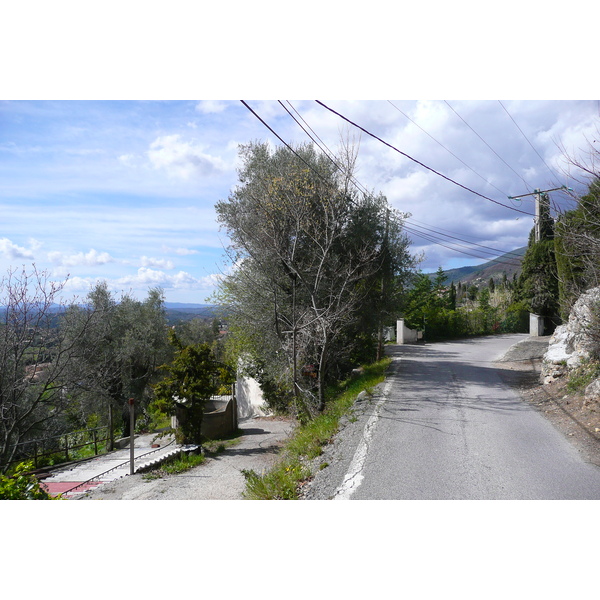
{"x": 22, "y": 485}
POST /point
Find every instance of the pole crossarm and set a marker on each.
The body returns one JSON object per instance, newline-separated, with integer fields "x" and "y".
{"x": 535, "y": 192}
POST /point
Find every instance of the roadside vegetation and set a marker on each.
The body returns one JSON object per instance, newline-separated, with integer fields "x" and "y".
{"x": 452, "y": 312}
{"x": 68, "y": 370}
{"x": 284, "y": 480}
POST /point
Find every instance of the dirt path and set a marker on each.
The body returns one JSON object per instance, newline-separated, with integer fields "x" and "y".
{"x": 219, "y": 478}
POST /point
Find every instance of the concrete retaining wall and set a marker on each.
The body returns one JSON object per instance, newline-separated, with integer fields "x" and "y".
{"x": 220, "y": 418}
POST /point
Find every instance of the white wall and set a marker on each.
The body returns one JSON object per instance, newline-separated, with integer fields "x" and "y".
{"x": 404, "y": 335}
{"x": 250, "y": 399}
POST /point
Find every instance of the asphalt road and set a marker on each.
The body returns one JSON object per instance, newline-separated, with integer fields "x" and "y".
{"x": 447, "y": 426}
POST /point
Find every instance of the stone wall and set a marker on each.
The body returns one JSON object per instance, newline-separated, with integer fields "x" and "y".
{"x": 575, "y": 341}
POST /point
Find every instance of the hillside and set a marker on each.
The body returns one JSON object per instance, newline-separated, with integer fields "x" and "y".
{"x": 507, "y": 263}
{"x": 177, "y": 312}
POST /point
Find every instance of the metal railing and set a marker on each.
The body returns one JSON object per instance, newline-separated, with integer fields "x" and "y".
{"x": 59, "y": 444}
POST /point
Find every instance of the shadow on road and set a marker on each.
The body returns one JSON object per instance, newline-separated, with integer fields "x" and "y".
{"x": 440, "y": 374}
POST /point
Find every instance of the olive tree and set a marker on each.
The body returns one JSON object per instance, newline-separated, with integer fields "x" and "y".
{"x": 35, "y": 359}
{"x": 309, "y": 253}
{"x": 123, "y": 344}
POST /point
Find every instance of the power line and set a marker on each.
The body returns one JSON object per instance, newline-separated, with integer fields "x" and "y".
{"x": 329, "y": 154}
{"x": 428, "y": 237}
{"x": 281, "y": 139}
{"x": 517, "y": 174}
{"x": 454, "y": 249}
{"x": 526, "y": 138}
{"x": 433, "y": 238}
{"x": 449, "y": 151}
{"x": 419, "y": 162}
{"x": 486, "y": 249}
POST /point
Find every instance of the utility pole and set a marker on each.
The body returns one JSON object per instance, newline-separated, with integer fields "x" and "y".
{"x": 536, "y": 322}
{"x": 539, "y": 198}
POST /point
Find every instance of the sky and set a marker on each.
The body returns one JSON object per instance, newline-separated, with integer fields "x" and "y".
{"x": 120, "y": 125}
{"x": 111, "y": 162}
{"x": 124, "y": 191}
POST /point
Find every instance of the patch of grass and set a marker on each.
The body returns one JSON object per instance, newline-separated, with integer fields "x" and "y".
{"x": 282, "y": 482}
{"x": 218, "y": 446}
{"x": 583, "y": 375}
{"x": 182, "y": 463}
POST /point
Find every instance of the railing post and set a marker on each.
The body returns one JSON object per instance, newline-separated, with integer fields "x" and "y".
{"x": 95, "y": 443}
{"x": 111, "y": 439}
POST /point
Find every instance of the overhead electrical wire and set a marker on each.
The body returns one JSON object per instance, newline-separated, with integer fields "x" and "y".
{"x": 420, "y": 163}
{"x": 485, "y": 249}
{"x": 280, "y": 138}
{"x": 329, "y": 154}
{"x": 527, "y": 140}
{"x": 446, "y": 149}
{"x": 428, "y": 236}
{"x": 478, "y": 256}
{"x": 463, "y": 120}
{"x": 436, "y": 239}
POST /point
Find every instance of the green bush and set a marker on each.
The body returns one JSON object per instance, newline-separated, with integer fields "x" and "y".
{"x": 22, "y": 485}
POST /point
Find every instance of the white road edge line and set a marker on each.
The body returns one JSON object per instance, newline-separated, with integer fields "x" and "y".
{"x": 354, "y": 476}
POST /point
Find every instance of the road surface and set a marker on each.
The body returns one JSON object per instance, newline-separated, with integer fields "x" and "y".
{"x": 448, "y": 427}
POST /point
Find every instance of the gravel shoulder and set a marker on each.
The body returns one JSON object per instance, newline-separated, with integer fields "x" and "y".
{"x": 569, "y": 412}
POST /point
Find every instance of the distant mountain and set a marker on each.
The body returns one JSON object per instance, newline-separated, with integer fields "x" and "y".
{"x": 509, "y": 263}
{"x": 185, "y": 306}
{"x": 179, "y": 311}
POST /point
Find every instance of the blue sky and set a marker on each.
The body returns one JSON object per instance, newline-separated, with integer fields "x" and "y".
{"x": 124, "y": 191}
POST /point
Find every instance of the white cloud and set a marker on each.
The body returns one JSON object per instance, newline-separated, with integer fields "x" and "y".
{"x": 12, "y": 250}
{"x": 210, "y": 106}
{"x": 179, "y": 251}
{"x": 181, "y": 159}
{"x": 158, "y": 263}
{"x": 127, "y": 159}
{"x": 181, "y": 280}
{"x": 89, "y": 259}
{"x": 185, "y": 251}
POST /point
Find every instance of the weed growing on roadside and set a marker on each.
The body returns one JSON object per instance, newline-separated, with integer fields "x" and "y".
{"x": 583, "y": 375}
{"x": 183, "y": 463}
{"x": 283, "y": 481}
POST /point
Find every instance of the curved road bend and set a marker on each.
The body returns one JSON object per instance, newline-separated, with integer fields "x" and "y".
{"x": 449, "y": 428}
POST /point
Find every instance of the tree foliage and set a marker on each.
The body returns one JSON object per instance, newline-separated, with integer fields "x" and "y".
{"x": 35, "y": 356}
{"x": 121, "y": 344}
{"x": 22, "y": 485}
{"x": 539, "y": 279}
{"x": 316, "y": 266}
{"x": 577, "y": 248}
{"x": 192, "y": 378}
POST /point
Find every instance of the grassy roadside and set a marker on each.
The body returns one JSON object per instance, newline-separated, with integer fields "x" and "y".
{"x": 282, "y": 482}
